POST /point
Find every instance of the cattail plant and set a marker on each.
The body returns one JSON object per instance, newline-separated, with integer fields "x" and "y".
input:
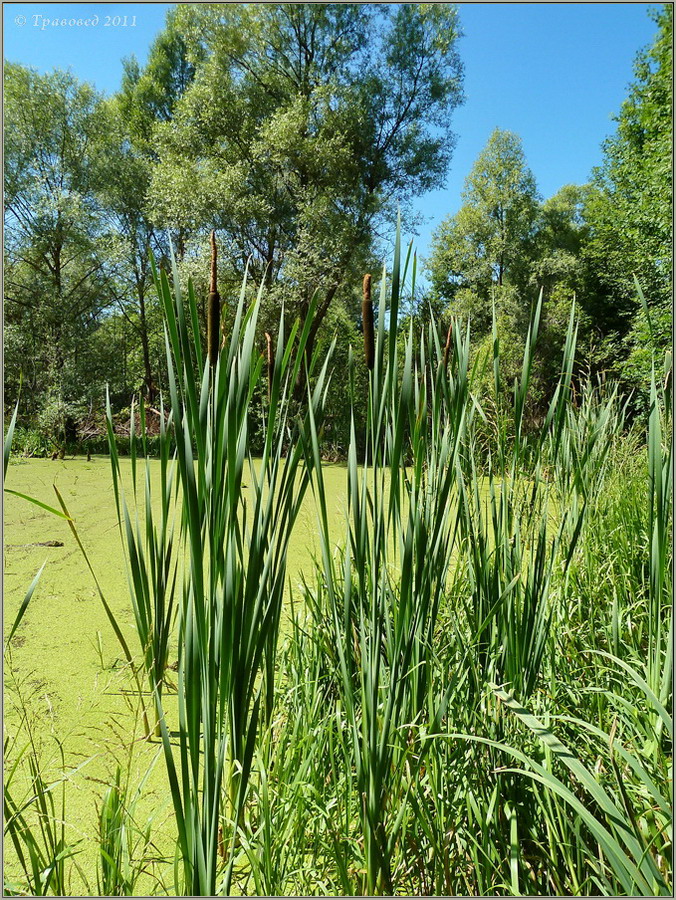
{"x": 236, "y": 551}
{"x": 367, "y": 323}
{"x": 213, "y": 307}
{"x": 383, "y": 597}
{"x": 510, "y": 546}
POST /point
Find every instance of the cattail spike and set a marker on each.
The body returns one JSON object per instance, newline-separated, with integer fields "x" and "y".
{"x": 213, "y": 307}
{"x": 367, "y": 323}
{"x": 213, "y": 289}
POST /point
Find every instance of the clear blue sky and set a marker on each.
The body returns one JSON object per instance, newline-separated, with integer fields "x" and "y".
{"x": 555, "y": 73}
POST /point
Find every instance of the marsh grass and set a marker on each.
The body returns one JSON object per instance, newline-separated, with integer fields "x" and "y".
{"x": 35, "y": 814}
{"x": 231, "y": 593}
{"x": 472, "y": 691}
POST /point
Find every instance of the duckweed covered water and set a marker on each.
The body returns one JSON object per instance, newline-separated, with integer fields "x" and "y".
{"x": 65, "y": 665}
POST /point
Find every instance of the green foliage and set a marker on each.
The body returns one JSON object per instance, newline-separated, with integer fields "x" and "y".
{"x": 303, "y": 125}
{"x": 501, "y": 587}
{"x": 55, "y": 283}
{"x": 343, "y": 333}
{"x": 629, "y": 209}
{"x": 150, "y": 95}
{"x": 37, "y": 828}
{"x": 562, "y": 234}
{"x": 633, "y": 863}
{"x": 150, "y": 553}
{"x": 490, "y": 240}
{"x": 373, "y": 750}
{"x": 294, "y": 131}
{"x": 382, "y": 628}
{"x": 230, "y": 599}
{"x": 124, "y": 845}
{"x": 586, "y": 242}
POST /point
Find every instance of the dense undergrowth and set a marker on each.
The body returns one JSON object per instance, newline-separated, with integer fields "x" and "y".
{"x": 473, "y": 694}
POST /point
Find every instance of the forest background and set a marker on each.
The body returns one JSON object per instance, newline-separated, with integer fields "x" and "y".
{"x": 297, "y": 133}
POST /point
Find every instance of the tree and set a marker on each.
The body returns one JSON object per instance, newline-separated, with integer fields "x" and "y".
{"x": 490, "y": 242}
{"x": 629, "y": 211}
{"x": 127, "y": 160}
{"x": 150, "y": 96}
{"x": 560, "y": 269}
{"x": 560, "y": 238}
{"x": 305, "y": 126}
{"x": 127, "y": 157}
{"x": 123, "y": 180}
{"x": 56, "y": 286}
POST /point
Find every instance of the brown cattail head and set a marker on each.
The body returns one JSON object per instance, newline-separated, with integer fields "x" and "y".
{"x": 447, "y": 349}
{"x": 213, "y": 289}
{"x": 268, "y": 341}
{"x": 367, "y": 323}
{"x": 213, "y": 307}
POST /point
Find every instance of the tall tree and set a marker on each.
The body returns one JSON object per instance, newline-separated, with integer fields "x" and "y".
{"x": 126, "y": 155}
{"x": 305, "y": 126}
{"x": 630, "y": 209}
{"x": 490, "y": 242}
{"x": 560, "y": 269}
{"x": 150, "y": 95}
{"x": 560, "y": 239}
{"x": 55, "y": 279}
{"x": 123, "y": 179}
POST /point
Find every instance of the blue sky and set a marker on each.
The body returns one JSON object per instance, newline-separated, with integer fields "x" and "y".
{"x": 554, "y": 73}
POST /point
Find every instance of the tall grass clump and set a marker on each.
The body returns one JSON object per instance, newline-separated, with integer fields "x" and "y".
{"x": 614, "y": 813}
{"x": 34, "y": 810}
{"x": 380, "y": 599}
{"x": 520, "y": 523}
{"x": 124, "y": 843}
{"x": 236, "y": 518}
{"x": 461, "y": 593}
{"x": 471, "y": 694}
